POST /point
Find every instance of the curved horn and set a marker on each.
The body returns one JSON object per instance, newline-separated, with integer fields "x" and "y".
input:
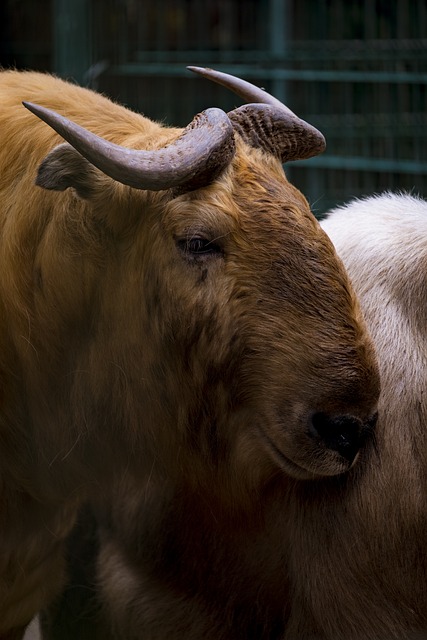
{"x": 242, "y": 88}
{"x": 197, "y": 157}
{"x": 268, "y": 123}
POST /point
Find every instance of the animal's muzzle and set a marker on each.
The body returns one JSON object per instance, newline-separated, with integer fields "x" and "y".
{"x": 344, "y": 433}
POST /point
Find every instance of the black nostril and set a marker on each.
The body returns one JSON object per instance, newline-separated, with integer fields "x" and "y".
{"x": 340, "y": 433}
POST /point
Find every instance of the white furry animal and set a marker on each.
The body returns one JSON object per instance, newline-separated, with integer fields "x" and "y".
{"x": 383, "y": 243}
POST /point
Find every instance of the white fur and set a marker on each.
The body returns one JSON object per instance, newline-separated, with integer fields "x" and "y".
{"x": 382, "y": 241}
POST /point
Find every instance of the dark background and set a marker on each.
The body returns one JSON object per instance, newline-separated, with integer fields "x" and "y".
{"x": 356, "y": 69}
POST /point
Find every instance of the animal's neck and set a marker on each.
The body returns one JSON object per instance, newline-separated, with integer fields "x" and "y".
{"x": 200, "y": 544}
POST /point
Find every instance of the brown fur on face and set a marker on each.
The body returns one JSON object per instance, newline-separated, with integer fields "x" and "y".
{"x": 338, "y": 558}
{"x": 123, "y": 350}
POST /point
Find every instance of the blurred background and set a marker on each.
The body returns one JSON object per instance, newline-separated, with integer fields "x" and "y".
{"x": 356, "y": 69}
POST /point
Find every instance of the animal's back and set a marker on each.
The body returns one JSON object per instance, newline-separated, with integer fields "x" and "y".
{"x": 26, "y": 140}
{"x": 383, "y": 243}
{"x": 380, "y": 236}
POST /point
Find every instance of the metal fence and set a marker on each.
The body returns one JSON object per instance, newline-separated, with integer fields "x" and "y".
{"x": 356, "y": 69}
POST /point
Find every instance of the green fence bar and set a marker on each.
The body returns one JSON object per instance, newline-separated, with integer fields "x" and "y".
{"x": 72, "y": 39}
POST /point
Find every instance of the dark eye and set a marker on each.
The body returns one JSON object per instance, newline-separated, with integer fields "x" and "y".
{"x": 198, "y": 247}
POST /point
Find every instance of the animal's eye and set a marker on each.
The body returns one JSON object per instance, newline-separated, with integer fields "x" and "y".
{"x": 198, "y": 247}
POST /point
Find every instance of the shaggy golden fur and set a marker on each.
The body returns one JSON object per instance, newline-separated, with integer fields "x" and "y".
{"x": 122, "y": 350}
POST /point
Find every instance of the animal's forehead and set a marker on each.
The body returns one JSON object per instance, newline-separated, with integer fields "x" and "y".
{"x": 260, "y": 200}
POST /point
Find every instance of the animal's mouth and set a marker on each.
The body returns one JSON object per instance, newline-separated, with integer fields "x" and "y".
{"x": 321, "y": 465}
{"x": 289, "y": 466}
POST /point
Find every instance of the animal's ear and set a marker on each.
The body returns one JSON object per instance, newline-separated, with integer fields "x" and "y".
{"x": 64, "y": 167}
